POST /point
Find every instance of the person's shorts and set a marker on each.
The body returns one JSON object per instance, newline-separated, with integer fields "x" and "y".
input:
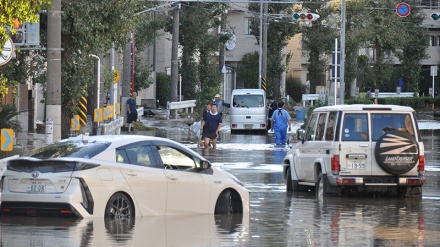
{"x": 132, "y": 117}
{"x": 211, "y": 136}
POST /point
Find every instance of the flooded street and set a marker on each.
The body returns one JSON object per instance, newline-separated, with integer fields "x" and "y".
{"x": 276, "y": 218}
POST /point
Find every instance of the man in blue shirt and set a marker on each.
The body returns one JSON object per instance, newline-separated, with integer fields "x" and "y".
{"x": 220, "y": 103}
{"x": 280, "y": 123}
{"x": 132, "y": 114}
{"x": 211, "y": 124}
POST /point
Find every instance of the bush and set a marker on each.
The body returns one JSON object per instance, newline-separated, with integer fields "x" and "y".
{"x": 7, "y": 113}
{"x": 295, "y": 88}
{"x": 163, "y": 89}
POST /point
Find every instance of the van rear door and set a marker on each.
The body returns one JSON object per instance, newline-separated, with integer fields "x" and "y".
{"x": 355, "y": 150}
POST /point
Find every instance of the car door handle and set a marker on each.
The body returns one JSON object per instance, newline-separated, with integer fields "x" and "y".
{"x": 172, "y": 177}
{"x": 131, "y": 174}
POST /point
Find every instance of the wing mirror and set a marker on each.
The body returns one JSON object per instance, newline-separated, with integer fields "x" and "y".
{"x": 300, "y": 134}
{"x": 204, "y": 165}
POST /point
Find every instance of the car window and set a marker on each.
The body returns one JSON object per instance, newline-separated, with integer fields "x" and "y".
{"x": 174, "y": 158}
{"x": 140, "y": 155}
{"x": 320, "y": 128}
{"x": 355, "y": 127}
{"x": 331, "y": 126}
{"x": 249, "y": 101}
{"x": 381, "y": 123}
{"x": 310, "y": 135}
{"x": 76, "y": 149}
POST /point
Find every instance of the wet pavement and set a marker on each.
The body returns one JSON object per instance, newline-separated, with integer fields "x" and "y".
{"x": 277, "y": 218}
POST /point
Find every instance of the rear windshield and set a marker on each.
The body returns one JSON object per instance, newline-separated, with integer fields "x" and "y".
{"x": 382, "y": 123}
{"x": 355, "y": 126}
{"x": 248, "y": 100}
{"x": 76, "y": 149}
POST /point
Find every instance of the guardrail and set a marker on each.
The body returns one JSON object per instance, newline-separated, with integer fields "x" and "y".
{"x": 114, "y": 127}
{"x": 186, "y": 104}
{"x": 309, "y": 97}
{"x": 393, "y": 95}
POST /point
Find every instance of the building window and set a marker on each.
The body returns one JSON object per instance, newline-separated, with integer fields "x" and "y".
{"x": 434, "y": 41}
{"x": 247, "y": 28}
{"x": 433, "y": 4}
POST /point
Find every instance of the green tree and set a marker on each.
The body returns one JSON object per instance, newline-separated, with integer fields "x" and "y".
{"x": 318, "y": 41}
{"x": 247, "y": 71}
{"x": 198, "y": 47}
{"x": 92, "y": 28}
{"x": 163, "y": 88}
{"x": 283, "y": 30}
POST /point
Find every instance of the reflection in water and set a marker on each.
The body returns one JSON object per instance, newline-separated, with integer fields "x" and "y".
{"x": 191, "y": 230}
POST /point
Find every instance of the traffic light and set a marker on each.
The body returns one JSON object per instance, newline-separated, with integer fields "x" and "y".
{"x": 19, "y": 37}
{"x": 305, "y": 16}
{"x": 435, "y": 16}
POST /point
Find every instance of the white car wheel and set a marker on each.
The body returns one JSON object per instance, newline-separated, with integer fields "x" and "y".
{"x": 119, "y": 207}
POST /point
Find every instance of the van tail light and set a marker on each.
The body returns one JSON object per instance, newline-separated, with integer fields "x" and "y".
{"x": 335, "y": 164}
{"x": 422, "y": 165}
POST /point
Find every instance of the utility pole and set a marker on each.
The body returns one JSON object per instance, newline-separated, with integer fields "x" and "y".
{"x": 127, "y": 71}
{"x": 53, "y": 91}
{"x": 342, "y": 63}
{"x": 260, "y": 46}
{"x": 174, "y": 56}
{"x": 264, "y": 40}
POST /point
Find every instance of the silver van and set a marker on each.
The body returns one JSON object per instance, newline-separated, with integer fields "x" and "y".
{"x": 248, "y": 109}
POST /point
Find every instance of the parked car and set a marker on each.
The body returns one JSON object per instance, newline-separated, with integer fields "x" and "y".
{"x": 358, "y": 148}
{"x": 118, "y": 176}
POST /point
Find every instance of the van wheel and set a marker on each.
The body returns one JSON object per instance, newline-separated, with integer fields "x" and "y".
{"x": 289, "y": 183}
{"x": 321, "y": 187}
{"x": 324, "y": 189}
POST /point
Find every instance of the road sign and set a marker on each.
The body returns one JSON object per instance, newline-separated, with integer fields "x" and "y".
{"x": 112, "y": 111}
{"x": 98, "y": 115}
{"x": 138, "y": 100}
{"x": 403, "y": 9}
{"x": 434, "y": 70}
{"x": 7, "y": 139}
{"x": 74, "y": 123}
{"x": 118, "y": 108}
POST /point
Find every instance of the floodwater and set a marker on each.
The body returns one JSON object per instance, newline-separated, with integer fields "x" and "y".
{"x": 276, "y": 218}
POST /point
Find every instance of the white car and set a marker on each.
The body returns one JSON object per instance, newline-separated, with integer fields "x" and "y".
{"x": 118, "y": 176}
{"x": 358, "y": 148}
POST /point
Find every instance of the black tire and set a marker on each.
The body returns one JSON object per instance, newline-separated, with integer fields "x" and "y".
{"x": 289, "y": 184}
{"x": 321, "y": 187}
{"x": 228, "y": 202}
{"x": 224, "y": 203}
{"x": 324, "y": 189}
{"x": 119, "y": 207}
{"x": 397, "y": 152}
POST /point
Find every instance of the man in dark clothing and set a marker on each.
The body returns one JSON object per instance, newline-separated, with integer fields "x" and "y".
{"x": 211, "y": 124}
{"x": 207, "y": 110}
{"x": 132, "y": 114}
{"x": 272, "y": 106}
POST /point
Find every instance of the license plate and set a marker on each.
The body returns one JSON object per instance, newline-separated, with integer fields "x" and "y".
{"x": 36, "y": 186}
{"x": 248, "y": 126}
{"x": 356, "y": 165}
